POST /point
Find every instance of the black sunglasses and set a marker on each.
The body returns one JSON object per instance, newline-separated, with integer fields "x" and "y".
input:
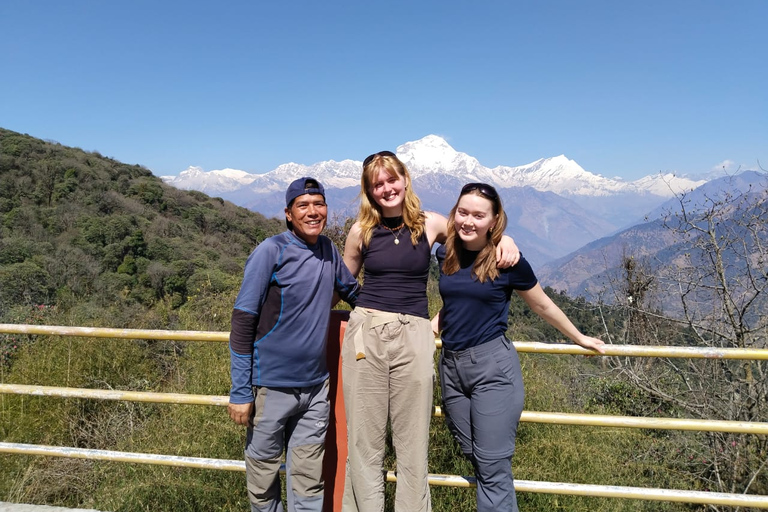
{"x": 487, "y": 190}
{"x": 380, "y": 153}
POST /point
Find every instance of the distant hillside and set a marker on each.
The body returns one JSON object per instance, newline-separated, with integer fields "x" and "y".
{"x": 78, "y": 227}
{"x": 738, "y": 206}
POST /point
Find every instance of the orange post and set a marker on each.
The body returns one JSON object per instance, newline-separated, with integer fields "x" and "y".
{"x": 334, "y": 463}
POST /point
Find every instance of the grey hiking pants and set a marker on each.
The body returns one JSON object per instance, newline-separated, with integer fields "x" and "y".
{"x": 482, "y": 390}
{"x": 294, "y": 419}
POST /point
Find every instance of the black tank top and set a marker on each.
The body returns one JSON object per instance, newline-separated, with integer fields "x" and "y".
{"x": 395, "y": 275}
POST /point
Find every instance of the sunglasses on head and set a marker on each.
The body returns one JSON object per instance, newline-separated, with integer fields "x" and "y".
{"x": 380, "y": 153}
{"x": 487, "y": 190}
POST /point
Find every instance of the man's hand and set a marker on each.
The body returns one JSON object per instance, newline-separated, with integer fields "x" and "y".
{"x": 241, "y": 413}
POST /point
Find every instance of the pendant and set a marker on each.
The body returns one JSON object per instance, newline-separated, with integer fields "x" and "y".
{"x": 397, "y": 241}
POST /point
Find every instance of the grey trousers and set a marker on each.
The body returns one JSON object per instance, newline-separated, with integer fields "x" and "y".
{"x": 395, "y": 379}
{"x": 295, "y": 419}
{"x": 483, "y": 395}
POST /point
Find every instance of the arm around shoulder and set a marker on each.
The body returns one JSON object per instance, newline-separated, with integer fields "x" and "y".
{"x": 437, "y": 228}
{"x": 353, "y": 253}
{"x": 346, "y": 286}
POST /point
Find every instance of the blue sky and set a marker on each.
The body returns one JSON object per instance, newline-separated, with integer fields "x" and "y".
{"x": 623, "y": 88}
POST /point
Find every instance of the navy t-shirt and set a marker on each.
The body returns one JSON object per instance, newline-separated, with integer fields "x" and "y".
{"x": 474, "y": 312}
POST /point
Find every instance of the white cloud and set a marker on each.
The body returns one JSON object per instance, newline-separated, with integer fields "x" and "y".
{"x": 726, "y": 165}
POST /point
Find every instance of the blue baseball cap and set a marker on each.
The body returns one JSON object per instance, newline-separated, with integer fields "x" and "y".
{"x": 303, "y": 186}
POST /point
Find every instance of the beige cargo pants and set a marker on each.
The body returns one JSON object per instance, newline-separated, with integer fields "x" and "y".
{"x": 387, "y": 371}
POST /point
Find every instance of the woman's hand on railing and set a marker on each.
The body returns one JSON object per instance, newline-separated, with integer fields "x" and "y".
{"x": 595, "y": 344}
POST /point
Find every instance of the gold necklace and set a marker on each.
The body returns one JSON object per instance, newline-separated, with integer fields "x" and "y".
{"x": 392, "y": 230}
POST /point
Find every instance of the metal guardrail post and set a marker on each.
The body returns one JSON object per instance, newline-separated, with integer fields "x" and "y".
{"x": 334, "y": 462}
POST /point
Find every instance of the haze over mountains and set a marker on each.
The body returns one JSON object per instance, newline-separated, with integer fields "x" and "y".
{"x": 554, "y": 205}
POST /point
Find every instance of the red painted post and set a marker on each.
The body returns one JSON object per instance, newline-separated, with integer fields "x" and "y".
{"x": 334, "y": 463}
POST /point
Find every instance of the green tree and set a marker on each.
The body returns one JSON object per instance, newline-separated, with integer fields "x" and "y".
{"x": 24, "y": 283}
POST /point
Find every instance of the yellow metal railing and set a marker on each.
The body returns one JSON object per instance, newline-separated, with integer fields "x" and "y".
{"x": 604, "y": 491}
{"x": 558, "y": 418}
{"x": 713, "y": 498}
{"x": 520, "y": 346}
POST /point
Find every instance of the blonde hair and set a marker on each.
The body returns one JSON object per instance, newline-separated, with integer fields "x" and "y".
{"x": 485, "y": 263}
{"x": 370, "y": 214}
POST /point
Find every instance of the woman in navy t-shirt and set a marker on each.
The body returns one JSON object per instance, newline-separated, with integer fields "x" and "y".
{"x": 480, "y": 376}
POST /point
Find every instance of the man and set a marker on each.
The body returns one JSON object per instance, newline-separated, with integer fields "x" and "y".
{"x": 277, "y": 347}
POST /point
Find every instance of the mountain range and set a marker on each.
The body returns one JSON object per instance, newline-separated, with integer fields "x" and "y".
{"x": 554, "y": 206}
{"x": 592, "y": 270}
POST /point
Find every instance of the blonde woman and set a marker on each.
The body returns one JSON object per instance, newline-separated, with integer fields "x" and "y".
{"x": 388, "y": 348}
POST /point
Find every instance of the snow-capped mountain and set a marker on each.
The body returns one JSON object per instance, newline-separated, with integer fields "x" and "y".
{"x": 212, "y": 182}
{"x": 432, "y": 154}
{"x": 559, "y": 175}
{"x": 565, "y": 177}
{"x": 554, "y": 205}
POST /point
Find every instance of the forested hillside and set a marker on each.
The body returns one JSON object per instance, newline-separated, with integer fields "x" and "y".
{"x": 78, "y": 228}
